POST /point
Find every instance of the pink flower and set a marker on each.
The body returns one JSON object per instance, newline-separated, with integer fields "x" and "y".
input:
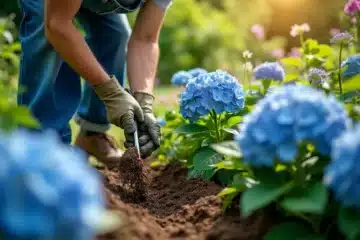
{"x": 294, "y": 52}
{"x": 258, "y": 31}
{"x": 334, "y": 31}
{"x": 299, "y": 29}
{"x": 278, "y": 53}
{"x": 352, "y": 7}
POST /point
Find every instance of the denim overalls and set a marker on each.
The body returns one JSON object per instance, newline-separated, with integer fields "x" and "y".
{"x": 53, "y": 90}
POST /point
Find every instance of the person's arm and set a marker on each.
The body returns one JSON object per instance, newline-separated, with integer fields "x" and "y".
{"x": 142, "y": 61}
{"x": 68, "y": 41}
{"x": 143, "y": 47}
{"x": 122, "y": 109}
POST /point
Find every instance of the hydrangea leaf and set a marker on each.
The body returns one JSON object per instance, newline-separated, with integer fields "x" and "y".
{"x": 233, "y": 121}
{"x": 228, "y": 148}
{"x": 325, "y": 50}
{"x": 206, "y": 158}
{"x": 312, "y": 200}
{"x": 352, "y": 83}
{"x": 349, "y": 222}
{"x": 261, "y": 195}
{"x": 191, "y": 128}
{"x": 288, "y": 230}
{"x": 292, "y": 61}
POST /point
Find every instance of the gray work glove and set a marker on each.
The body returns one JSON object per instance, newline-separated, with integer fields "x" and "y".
{"x": 149, "y": 129}
{"x": 121, "y": 107}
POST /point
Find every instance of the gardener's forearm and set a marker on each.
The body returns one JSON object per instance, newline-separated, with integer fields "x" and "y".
{"x": 142, "y": 65}
{"x": 69, "y": 42}
{"x": 143, "y": 48}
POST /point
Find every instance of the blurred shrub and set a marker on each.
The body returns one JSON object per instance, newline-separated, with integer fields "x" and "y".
{"x": 11, "y": 115}
{"x": 200, "y": 34}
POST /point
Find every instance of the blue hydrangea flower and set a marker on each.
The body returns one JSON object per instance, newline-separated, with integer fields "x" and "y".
{"x": 48, "y": 191}
{"x": 181, "y": 78}
{"x": 343, "y": 173}
{"x": 286, "y": 117}
{"x": 319, "y": 78}
{"x": 269, "y": 71}
{"x": 352, "y": 65}
{"x": 342, "y": 37}
{"x": 161, "y": 122}
{"x": 195, "y": 72}
{"x": 217, "y": 91}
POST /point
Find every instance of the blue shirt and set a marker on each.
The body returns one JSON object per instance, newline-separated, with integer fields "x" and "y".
{"x": 120, "y": 6}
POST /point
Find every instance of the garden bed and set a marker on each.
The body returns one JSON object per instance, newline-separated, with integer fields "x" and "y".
{"x": 178, "y": 208}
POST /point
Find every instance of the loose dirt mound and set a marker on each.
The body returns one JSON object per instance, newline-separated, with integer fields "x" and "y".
{"x": 178, "y": 208}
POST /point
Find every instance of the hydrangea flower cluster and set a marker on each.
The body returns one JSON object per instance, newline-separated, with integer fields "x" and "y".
{"x": 352, "y": 65}
{"x": 343, "y": 173}
{"x": 195, "y": 72}
{"x": 218, "y": 91}
{"x": 342, "y": 37}
{"x": 299, "y": 29}
{"x": 319, "y": 78}
{"x": 286, "y": 117}
{"x": 352, "y": 7}
{"x": 181, "y": 78}
{"x": 269, "y": 71}
{"x": 48, "y": 190}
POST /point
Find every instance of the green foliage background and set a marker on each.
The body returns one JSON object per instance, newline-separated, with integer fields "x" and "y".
{"x": 213, "y": 33}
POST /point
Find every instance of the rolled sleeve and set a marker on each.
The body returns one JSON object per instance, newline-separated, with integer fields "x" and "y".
{"x": 164, "y": 4}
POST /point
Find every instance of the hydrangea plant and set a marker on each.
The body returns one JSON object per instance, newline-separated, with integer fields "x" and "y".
{"x": 352, "y": 66}
{"x": 48, "y": 190}
{"x": 289, "y": 115}
{"x": 181, "y": 78}
{"x": 343, "y": 173}
{"x": 269, "y": 71}
{"x": 216, "y": 91}
{"x": 319, "y": 78}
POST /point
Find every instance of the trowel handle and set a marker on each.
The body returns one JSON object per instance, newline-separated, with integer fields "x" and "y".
{"x": 136, "y": 140}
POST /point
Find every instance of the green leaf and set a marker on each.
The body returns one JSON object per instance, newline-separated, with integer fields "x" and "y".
{"x": 206, "y": 175}
{"x": 233, "y": 121}
{"x": 325, "y": 50}
{"x": 191, "y": 128}
{"x": 290, "y": 230}
{"x": 205, "y": 158}
{"x": 349, "y": 96}
{"x": 312, "y": 200}
{"x": 352, "y": 84}
{"x": 23, "y": 116}
{"x": 227, "y": 191}
{"x": 292, "y": 61}
{"x": 261, "y": 195}
{"x": 228, "y": 148}
{"x": 349, "y": 223}
{"x": 228, "y": 200}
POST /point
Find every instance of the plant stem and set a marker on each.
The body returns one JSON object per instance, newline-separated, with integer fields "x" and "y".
{"x": 339, "y": 73}
{"x": 217, "y": 132}
{"x": 266, "y": 84}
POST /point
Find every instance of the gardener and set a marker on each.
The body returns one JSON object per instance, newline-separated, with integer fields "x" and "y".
{"x": 55, "y": 56}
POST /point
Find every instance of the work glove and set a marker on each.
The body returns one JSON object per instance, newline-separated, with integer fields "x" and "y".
{"x": 149, "y": 129}
{"x": 122, "y": 109}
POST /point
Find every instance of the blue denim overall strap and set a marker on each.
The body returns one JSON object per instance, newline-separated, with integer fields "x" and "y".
{"x": 110, "y": 6}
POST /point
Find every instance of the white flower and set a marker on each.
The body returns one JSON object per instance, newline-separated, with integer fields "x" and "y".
{"x": 247, "y": 54}
{"x": 248, "y": 66}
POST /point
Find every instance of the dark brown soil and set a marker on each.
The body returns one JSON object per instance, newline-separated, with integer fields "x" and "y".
{"x": 177, "y": 208}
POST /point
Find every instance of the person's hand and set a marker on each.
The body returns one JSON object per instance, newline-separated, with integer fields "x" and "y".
{"x": 122, "y": 109}
{"x": 149, "y": 129}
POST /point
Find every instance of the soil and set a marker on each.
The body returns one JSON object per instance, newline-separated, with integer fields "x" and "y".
{"x": 171, "y": 206}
